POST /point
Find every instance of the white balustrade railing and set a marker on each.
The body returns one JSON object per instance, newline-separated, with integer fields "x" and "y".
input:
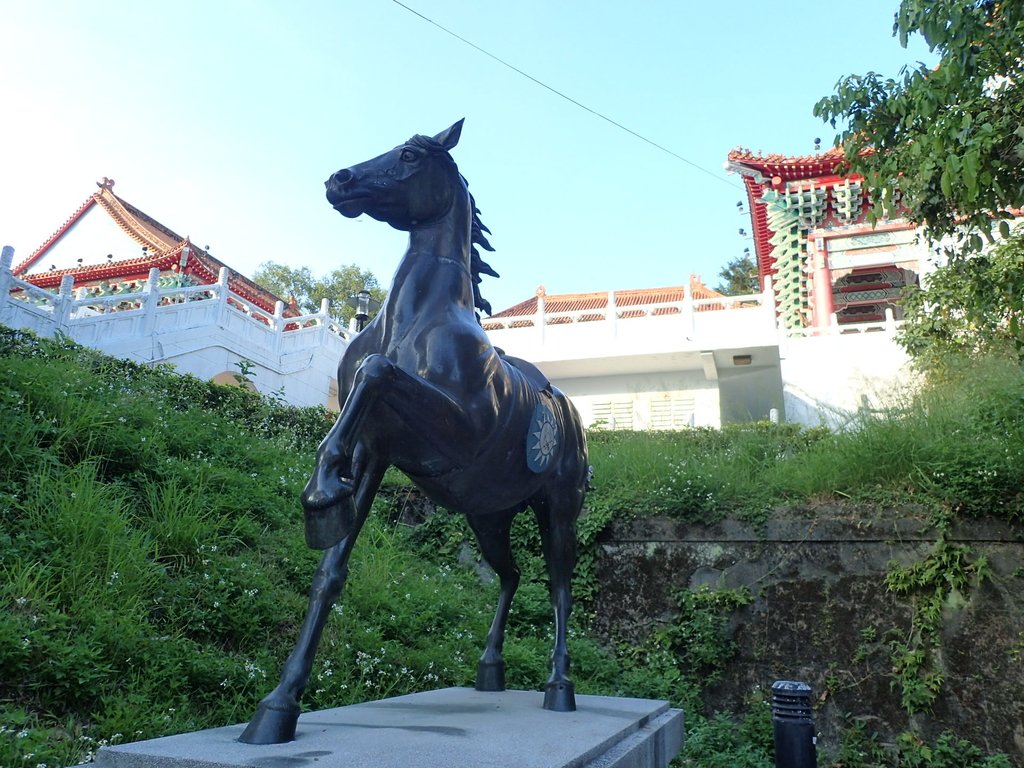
{"x": 47, "y": 312}
{"x": 647, "y": 328}
{"x": 752, "y": 313}
{"x": 613, "y": 312}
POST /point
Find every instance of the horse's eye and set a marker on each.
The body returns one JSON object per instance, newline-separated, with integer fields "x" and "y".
{"x": 407, "y": 156}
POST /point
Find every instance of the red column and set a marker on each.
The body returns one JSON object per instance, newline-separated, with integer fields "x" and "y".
{"x": 822, "y": 309}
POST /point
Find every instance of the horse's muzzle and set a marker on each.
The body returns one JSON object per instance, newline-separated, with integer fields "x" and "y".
{"x": 345, "y": 200}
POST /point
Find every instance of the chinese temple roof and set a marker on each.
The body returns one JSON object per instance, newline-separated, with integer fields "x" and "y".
{"x": 762, "y": 172}
{"x": 162, "y": 249}
{"x": 598, "y": 301}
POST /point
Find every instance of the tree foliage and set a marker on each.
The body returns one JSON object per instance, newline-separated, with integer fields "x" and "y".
{"x": 336, "y": 286}
{"x": 970, "y": 307}
{"x": 946, "y": 142}
{"x": 739, "y": 277}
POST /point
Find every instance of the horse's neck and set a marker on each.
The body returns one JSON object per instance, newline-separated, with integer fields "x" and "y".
{"x": 435, "y": 271}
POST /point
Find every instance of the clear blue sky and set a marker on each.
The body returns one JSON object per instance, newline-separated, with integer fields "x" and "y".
{"x": 222, "y": 118}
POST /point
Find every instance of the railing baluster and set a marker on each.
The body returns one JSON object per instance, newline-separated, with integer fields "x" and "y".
{"x": 6, "y": 263}
{"x": 62, "y": 310}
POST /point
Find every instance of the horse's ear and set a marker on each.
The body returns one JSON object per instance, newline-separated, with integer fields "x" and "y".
{"x": 449, "y": 137}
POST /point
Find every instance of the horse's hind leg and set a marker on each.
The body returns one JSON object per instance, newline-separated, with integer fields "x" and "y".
{"x": 493, "y": 535}
{"x": 557, "y": 520}
{"x": 277, "y": 715}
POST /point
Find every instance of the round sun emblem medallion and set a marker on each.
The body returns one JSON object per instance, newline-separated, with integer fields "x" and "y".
{"x": 542, "y": 438}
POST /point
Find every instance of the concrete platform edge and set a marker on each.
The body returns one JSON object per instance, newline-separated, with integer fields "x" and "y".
{"x": 446, "y": 728}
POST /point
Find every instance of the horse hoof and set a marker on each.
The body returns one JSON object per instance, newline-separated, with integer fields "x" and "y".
{"x": 327, "y": 526}
{"x": 560, "y": 697}
{"x": 271, "y": 726}
{"x": 490, "y": 676}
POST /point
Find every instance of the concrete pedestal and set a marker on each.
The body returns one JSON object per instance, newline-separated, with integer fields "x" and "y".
{"x": 449, "y": 728}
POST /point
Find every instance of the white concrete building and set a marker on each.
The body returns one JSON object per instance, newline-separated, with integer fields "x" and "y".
{"x": 663, "y": 358}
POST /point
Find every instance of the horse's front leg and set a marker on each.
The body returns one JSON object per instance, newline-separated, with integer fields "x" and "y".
{"x": 327, "y": 497}
{"x": 428, "y": 411}
{"x": 276, "y": 717}
{"x": 431, "y": 412}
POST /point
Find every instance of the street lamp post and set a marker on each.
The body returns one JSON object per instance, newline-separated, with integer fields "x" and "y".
{"x": 363, "y": 303}
{"x": 793, "y": 725}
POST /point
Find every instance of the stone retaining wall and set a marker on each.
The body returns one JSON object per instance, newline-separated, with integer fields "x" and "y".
{"x": 822, "y": 614}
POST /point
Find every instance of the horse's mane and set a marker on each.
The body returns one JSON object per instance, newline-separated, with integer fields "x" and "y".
{"x": 477, "y": 266}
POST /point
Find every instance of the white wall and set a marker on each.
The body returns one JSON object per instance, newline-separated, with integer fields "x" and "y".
{"x": 646, "y": 372}
{"x": 645, "y": 401}
{"x": 828, "y": 379}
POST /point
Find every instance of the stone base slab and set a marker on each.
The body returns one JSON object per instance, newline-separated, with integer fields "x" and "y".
{"x": 448, "y": 728}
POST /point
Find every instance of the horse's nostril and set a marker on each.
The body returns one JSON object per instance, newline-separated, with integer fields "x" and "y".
{"x": 340, "y": 177}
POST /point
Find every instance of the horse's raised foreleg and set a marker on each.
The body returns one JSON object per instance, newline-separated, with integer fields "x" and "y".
{"x": 418, "y": 405}
{"x": 440, "y": 418}
{"x": 493, "y": 535}
{"x": 327, "y": 497}
{"x": 557, "y": 521}
{"x": 276, "y": 717}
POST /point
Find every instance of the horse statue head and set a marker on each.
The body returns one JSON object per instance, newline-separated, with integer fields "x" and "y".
{"x": 415, "y": 184}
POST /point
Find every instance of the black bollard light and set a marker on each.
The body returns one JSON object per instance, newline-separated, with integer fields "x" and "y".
{"x": 793, "y": 725}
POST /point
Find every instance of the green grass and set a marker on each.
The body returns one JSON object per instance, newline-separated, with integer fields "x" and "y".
{"x": 958, "y": 444}
{"x": 153, "y": 572}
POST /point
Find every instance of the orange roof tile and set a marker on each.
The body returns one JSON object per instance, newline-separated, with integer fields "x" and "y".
{"x": 598, "y": 300}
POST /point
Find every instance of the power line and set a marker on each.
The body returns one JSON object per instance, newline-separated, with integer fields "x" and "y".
{"x": 568, "y": 98}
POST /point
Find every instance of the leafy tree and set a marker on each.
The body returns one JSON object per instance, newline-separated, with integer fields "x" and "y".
{"x": 970, "y": 307}
{"x": 739, "y": 277}
{"x": 947, "y": 142}
{"x": 336, "y": 286}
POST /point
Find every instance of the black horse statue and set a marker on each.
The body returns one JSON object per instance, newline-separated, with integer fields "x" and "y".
{"x": 424, "y": 390}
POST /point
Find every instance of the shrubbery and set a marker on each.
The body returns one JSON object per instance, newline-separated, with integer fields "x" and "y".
{"x": 153, "y": 573}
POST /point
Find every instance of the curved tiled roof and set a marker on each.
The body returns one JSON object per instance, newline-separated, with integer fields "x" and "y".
{"x": 761, "y": 172}
{"x": 163, "y": 250}
{"x": 52, "y": 239}
{"x": 831, "y": 162}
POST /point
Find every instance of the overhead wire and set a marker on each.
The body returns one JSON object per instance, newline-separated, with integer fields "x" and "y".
{"x": 568, "y": 98}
